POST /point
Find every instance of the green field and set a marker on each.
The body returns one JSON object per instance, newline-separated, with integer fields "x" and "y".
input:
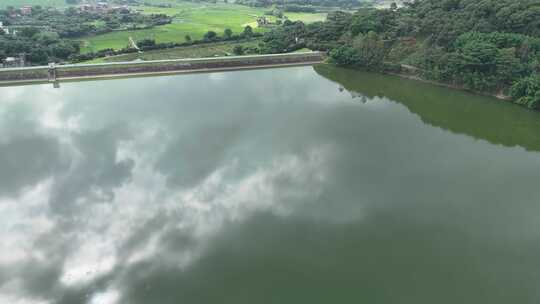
{"x": 193, "y": 19}
{"x": 196, "y": 51}
{"x": 44, "y": 3}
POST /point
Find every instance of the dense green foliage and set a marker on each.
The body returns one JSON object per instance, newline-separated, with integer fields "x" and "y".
{"x": 527, "y": 92}
{"x": 487, "y": 46}
{"x": 39, "y": 44}
{"x": 43, "y": 35}
{"x": 304, "y": 3}
{"x": 74, "y": 23}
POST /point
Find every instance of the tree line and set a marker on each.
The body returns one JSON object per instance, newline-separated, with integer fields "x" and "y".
{"x": 490, "y": 46}
{"x": 304, "y": 5}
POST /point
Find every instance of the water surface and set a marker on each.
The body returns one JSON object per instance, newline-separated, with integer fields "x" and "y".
{"x": 296, "y": 185}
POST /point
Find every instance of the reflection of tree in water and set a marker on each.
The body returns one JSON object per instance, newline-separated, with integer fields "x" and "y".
{"x": 355, "y": 95}
{"x": 460, "y": 112}
{"x": 361, "y": 97}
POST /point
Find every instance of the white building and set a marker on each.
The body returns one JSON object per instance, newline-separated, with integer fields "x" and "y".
{"x": 26, "y": 10}
{"x": 3, "y": 28}
{"x": 13, "y": 62}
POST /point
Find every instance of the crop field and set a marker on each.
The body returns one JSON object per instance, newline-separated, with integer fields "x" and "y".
{"x": 193, "y": 19}
{"x": 44, "y": 3}
{"x": 196, "y": 51}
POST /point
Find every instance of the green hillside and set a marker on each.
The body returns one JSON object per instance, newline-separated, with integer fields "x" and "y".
{"x": 489, "y": 46}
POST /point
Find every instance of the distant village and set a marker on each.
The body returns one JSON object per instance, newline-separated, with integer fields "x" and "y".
{"x": 263, "y": 21}
{"x": 22, "y": 11}
{"x": 92, "y": 7}
{"x": 10, "y": 62}
{"x": 103, "y": 7}
{"x": 26, "y": 11}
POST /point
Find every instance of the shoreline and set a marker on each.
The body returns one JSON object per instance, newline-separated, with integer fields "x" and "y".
{"x": 498, "y": 96}
{"x": 118, "y": 70}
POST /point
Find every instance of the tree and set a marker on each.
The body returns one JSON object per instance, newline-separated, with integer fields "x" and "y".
{"x": 248, "y": 31}
{"x": 508, "y": 66}
{"x": 47, "y": 38}
{"x": 478, "y": 55}
{"x": 526, "y": 92}
{"x": 287, "y": 22}
{"x": 29, "y": 31}
{"x": 187, "y": 38}
{"x": 238, "y": 50}
{"x": 63, "y": 50}
{"x": 210, "y": 35}
{"x": 227, "y": 33}
{"x": 71, "y": 11}
{"x": 146, "y": 43}
{"x": 38, "y": 56}
{"x": 345, "y": 56}
{"x": 370, "y": 49}
{"x": 378, "y": 21}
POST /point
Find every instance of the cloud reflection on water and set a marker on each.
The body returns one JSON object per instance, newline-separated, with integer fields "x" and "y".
{"x": 93, "y": 189}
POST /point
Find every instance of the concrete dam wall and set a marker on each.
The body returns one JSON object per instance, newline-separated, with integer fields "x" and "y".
{"x": 81, "y": 71}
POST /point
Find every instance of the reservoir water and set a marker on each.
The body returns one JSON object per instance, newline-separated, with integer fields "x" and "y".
{"x": 295, "y": 185}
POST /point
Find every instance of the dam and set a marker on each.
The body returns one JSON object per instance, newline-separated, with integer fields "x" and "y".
{"x": 54, "y": 73}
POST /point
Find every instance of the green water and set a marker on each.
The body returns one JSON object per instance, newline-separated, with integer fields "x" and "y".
{"x": 296, "y": 185}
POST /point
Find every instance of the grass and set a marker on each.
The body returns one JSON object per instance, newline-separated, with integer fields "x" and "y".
{"x": 194, "y": 19}
{"x": 44, "y": 3}
{"x": 196, "y": 51}
{"x": 306, "y": 17}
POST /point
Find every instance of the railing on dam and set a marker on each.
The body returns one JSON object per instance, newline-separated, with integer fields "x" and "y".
{"x": 73, "y": 71}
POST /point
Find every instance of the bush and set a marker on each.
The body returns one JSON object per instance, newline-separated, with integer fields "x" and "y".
{"x": 391, "y": 67}
{"x": 345, "y": 56}
{"x": 146, "y": 43}
{"x": 210, "y": 35}
{"x": 527, "y": 92}
{"x": 238, "y": 50}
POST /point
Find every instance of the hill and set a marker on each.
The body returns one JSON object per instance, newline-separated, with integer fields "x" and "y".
{"x": 489, "y": 46}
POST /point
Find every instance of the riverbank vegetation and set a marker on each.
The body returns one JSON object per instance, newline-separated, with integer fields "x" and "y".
{"x": 454, "y": 110}
{"x": 490, "y": 46}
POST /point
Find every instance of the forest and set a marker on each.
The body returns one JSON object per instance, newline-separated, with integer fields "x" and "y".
{"x": 488, "y": 46}
{"x": 305, "y": 5}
